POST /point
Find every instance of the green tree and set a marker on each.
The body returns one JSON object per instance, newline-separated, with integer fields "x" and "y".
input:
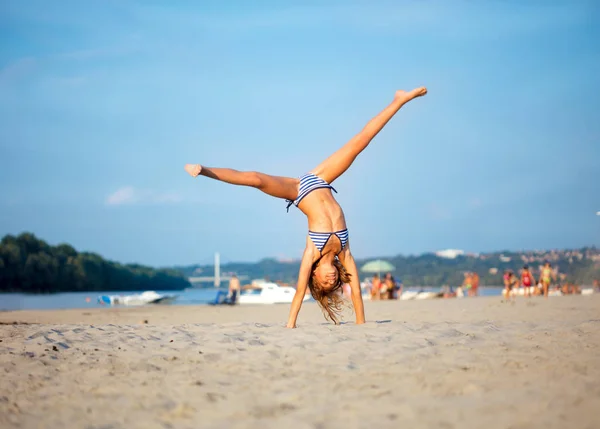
{"x": 30, "y": 265}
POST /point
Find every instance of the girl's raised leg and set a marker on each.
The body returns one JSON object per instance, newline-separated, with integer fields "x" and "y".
{"x": 334, "y": 166}
{"x": 276, "y": 186}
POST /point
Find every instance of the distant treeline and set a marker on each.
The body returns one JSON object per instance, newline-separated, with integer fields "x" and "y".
{"x": 580, "y": 266}
{"x": 30, "y": 265}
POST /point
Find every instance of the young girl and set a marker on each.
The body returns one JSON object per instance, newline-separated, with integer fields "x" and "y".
{"x": 375, "y": 288}
{"x": 547, "y": 276}
{"x": 327, "y": 262}
{"x": 527, "y": 279}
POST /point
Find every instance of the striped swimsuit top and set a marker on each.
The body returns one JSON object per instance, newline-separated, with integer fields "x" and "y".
{"x": 308, "y": 183}
{"x": 320, "y": 239}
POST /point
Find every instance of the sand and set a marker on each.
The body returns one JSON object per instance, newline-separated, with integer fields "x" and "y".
{"x": 470, "y": 363}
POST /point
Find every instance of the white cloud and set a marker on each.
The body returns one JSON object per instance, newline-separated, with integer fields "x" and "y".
{"x": 131, "y": 195}
{"x": 124, "y": 195}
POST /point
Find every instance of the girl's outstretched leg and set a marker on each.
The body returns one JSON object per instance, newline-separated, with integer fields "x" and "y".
{"x": 279, "y": 187}
{"x": 334, "y": 166}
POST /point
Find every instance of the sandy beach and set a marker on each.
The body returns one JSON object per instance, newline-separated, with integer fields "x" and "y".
{"x": 467, "y": 363}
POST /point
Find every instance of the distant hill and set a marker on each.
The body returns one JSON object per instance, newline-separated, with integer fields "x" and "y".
{"x": 579, "y": 266}
{"x": 30, "y": 265}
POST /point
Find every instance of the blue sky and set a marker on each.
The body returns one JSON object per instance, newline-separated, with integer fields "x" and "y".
{"x": 102, "y": 103}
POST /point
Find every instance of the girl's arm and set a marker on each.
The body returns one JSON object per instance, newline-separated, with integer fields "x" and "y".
{"x": 303, "y": 276}
{"x": 347, "y": 260}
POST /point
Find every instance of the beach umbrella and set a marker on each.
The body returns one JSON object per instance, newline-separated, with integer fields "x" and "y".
{"x": 377, "y": 266}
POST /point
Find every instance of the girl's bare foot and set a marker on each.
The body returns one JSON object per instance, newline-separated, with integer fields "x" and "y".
{"x": 406, "y": 96}
{"x": 193, "y": 169}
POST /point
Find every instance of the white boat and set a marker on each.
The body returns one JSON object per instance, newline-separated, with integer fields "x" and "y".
{"x": 409, "y": 294}
{"x": 148, "y": 297}
{"x": 413, "y": 294}
{"x": 553, "y": 292}
{"x": 520, "y": 291}
{"x": 427, "y": 295}
{"x": 263, "y": 292}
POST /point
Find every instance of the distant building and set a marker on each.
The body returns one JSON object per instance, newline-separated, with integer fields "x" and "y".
{"x": 449, "y": 253}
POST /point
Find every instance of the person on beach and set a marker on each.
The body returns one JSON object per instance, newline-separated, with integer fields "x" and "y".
{"x": 539, "y": 290}
{"x": 474, "y": 284}
{"x": 234, "y": 289}
{"x": 467, "y": 283}
{"x": 375, "y": 288}
{"x": 547, "y": 276}
{"x": 383, "y": 289}
{"x": 230, "y": 297}
{"x": 506, "y": 280}
{"x": 510, "y": 282}
{"x": 390, "y": 284}
{"x": 448, "y": 292}
{"x": 327, "y": 262}
{"x": 399, "y": 288}
{"x": 527, "y": 280}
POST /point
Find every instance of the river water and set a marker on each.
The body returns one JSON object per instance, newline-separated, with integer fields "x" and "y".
{"x": 19, "y": 301}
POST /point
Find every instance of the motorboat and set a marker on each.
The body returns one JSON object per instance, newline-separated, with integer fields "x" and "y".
{"x": 552, "y": 292}
{"x": 427, "y": 295}
{"x": 418, "y": 295}
{"x": 263, "y": 292}
{"x": 144, "y": 298}
{"x": 520, "y": 291}
{"x": 408, "y": 295}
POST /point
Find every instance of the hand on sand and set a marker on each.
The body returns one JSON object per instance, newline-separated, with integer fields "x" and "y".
{"x": 409, "y": 95}
{"x": 193, "y": 169}
{"x": 290, "y": 326}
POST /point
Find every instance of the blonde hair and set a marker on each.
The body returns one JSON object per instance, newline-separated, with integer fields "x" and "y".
{"x": 330, "y": 300}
